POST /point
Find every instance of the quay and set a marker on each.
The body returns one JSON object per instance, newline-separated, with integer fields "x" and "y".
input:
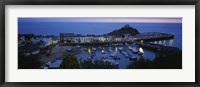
{"x": 159, "y": 48}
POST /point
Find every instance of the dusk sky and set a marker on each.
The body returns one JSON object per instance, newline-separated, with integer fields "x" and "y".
{"x": 115, "y": 20}
{"x": 90, "y": 25}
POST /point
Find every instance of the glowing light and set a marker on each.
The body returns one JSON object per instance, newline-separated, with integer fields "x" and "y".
{"x": 89, "y": 51}
{"x": 141, "y": 50}
{"x": 102, "y": 51}
{"x": 141, "y": 41}
{"x": 102, "y": 39}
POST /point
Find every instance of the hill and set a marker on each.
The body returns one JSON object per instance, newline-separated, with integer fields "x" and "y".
{"x": 124, "y": 31}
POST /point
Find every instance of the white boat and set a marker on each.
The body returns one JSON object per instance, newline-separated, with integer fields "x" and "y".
{"x": 110, "y": 49}
{"x": 130, "y": 48}
{"x": 89, "y": 57}
{"x": 69, "y": 49}
{"x": 123, "y": 52}
{"x": 126, "y": 55}
{"x": 78, "y": 46}
{"x": 94, "y": 49}
{"x": 103, "y": 52}
{"x": 116, "y": 63}
{"x": 135, "y": 50}
{"x": 48, "y": 63}
{"x": 133, "y": 58}
{"x": 104, "y": 57}
{"x": 85, "y": 49}
{"x": 120, "y": 48}
{"x": 113, "y": 54}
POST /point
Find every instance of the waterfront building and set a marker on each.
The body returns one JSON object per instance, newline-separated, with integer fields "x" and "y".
{"x": 72, "y": 38}
{"x": 55, "y": 40}
{"x": 67, "y": 37}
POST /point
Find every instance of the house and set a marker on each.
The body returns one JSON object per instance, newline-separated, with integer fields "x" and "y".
{"x": 46, "y": 42}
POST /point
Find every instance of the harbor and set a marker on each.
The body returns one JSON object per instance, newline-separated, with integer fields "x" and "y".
{"x": 124, "y": 48}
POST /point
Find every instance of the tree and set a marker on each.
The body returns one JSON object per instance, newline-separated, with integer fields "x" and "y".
{"x": 97, "y": 64}
{"x": 70, "y": 62}
{"x": 141, "y": 63}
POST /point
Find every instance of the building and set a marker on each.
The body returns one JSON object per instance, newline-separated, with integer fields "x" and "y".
{"x": 67, "y": 37}
{"x": 72, "y": 38}
{"x": 46, "y": 42}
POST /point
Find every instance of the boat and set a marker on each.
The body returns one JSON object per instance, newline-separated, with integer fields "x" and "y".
{"x": 113, "y": 54}
{"x": 103, "y": 52}
{"x": 110, "y": 49}
{"x": 130, "y": 48}
{"x": 135, "y": 50}
{"x": 89, "y": 57}
{"x": 48, "y": 63}
{"x": 126, "y": 55}
{"x": 78, "y": 46}
{"x": 116, "y": 63}
{"x": 133, "y": 58}
{"x": 94, "y": 49}
{"x": 85, "y": 49}
{"x": 104, "y": 57}
{"x": 69, "y": 49}
{"x": 120, "y": 48}
{"x": 115, "y": 57}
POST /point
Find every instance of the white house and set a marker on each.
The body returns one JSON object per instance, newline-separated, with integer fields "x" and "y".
{"x": 46, "y": 42}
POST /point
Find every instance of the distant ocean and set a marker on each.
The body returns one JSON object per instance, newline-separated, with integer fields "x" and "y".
{"x": 54, "y": 28}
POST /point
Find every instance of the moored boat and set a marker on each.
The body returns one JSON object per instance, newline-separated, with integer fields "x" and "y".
{"x": 133, "y": 58}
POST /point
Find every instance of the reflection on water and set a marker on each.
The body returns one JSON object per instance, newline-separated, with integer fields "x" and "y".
{"x": 106, "y": 52}
{"x": 123, "y": 52}
{"x": 171, "y": 42}
{"x": 116, "y": 49}
{"x": 160, "y": 42}
{"x": 89, "y": 51}
{"x": 141, "y": 50}
{"x": 166, "y": 43}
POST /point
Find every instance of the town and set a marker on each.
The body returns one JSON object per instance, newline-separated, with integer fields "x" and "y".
{"x": 127, "y": 42}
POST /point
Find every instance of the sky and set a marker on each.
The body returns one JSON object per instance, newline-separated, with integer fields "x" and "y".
{"x": 94, "y": 25}
{"x": 98, "y": 19}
